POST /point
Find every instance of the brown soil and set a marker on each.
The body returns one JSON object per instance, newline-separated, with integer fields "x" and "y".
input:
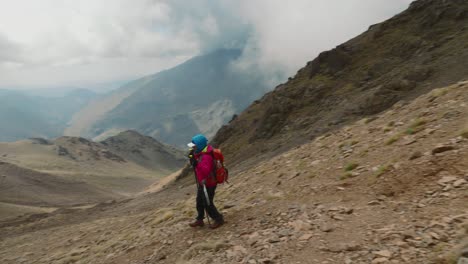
{"x": 389, "y": 189}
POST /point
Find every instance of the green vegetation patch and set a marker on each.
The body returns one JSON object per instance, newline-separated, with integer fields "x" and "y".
{"x": 416, "y": 126}
{"x": 410, "y": 131}
{"x": 322, "y": 78}
{"x": 351, "y": 166}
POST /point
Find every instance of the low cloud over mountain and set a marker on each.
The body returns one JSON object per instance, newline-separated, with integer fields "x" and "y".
{"x": 82, "y": 43}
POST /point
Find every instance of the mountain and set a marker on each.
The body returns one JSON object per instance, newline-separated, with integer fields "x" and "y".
{"x": 390, "y": 190}
{"x": 197, "y": 96}
{"x": 69, "y": 170}
{"x": 62, "y": 91}
{"x": 24, "y": 115}
{"x": 418, "y": 50}
{"x": 145, "y": 151}
{"x": 97, "y": 109}
{"x": 384, "y": 183}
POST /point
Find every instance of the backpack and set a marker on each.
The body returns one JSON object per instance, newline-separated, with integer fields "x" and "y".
{"x": 220, "y": 172}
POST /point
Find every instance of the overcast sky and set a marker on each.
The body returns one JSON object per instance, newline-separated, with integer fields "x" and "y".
{"x": 52, "y": 43}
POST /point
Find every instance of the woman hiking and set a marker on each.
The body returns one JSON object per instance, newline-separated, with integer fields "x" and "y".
{"x": 201, "y": 159}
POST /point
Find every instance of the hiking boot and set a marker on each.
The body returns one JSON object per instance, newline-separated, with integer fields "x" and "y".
{"x": 197, "y": 223}
{"x": 217, "y": 224}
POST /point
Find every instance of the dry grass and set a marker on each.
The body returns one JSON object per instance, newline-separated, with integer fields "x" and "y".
{"x": 418, "y": 122}
{"x": 382, "y": 170}
{"x": 438, "y": 92}
{"x": 453, "y": 255}
{"x": 205, "y": 246}
{"x": 367, "y": 120}
{"x": 387, "y": 129}
{"x": 393, "y": 139}
{"x": 250, "y": 198}
{"x": 164, "y": 217}
{"x": 273, "y": 196}
{"x": 416, "y": 126}
{"x": 345, "y": 176}
{"x": 464, "y": 133}
{"x": 348, "y": 144}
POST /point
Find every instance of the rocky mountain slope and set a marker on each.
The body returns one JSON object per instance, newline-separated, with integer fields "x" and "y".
{"x": 387, "y": 189}
{"x": 97, "y": 109}
{"x": 197, "y": 96}
{"x": 145, "y": 151}
{"x": 422, "y": 48}
{"x": 367, "y": 163}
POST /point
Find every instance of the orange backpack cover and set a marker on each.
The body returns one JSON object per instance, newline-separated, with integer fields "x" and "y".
{"x": 221, "y": 172}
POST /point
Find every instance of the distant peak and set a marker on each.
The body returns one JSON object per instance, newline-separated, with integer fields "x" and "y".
{"x": 40, "y": 141}
{"x": 128, "y": 135}
{"x": 130, "y": 132}
{"x": 74, "y": 140}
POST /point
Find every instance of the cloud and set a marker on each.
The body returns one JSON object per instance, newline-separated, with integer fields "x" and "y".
{"x": 9, "y": 51}
{"x": 285, "y": 36}
{"x": 60, "y": 42}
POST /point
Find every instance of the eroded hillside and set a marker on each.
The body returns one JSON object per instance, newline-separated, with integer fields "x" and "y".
{"x": 420, "y": 49}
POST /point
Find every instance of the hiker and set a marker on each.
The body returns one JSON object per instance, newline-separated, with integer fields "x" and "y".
{"x": 201, "y": 159}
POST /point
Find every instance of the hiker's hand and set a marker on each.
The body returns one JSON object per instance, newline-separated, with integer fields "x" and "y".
{"x": 190, "y": 154}
{"x": 193, "y": 162}
{"x": 192, "y": 159}
{"x": 203, "y": 182}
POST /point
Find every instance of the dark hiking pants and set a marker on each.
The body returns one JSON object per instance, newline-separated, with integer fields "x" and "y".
{"x": 202, "y": 205}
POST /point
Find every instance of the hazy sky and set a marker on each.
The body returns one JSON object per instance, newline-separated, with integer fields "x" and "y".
{"x": 82, "y": 43}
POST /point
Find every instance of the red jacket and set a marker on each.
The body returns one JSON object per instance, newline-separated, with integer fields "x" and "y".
{"x": 204, "y": 168}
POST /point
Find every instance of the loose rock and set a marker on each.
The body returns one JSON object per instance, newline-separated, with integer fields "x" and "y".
{"x": 442, "y": 148}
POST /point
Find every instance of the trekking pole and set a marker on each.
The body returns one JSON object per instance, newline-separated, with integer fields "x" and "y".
{"x": 207, "y": 203}
{"x": 207, "y": 197}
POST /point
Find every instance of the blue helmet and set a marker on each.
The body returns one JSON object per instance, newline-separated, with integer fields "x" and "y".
{"x": 200, "y": 141}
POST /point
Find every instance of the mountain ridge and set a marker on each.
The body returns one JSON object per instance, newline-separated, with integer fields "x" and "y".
{"x": 171, "y": 105}
{"x": 408, "y": 55}
{"x": 68, "y": 171}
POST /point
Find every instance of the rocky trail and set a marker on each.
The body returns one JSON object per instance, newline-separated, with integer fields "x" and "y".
{"x": 392, "y": 188}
